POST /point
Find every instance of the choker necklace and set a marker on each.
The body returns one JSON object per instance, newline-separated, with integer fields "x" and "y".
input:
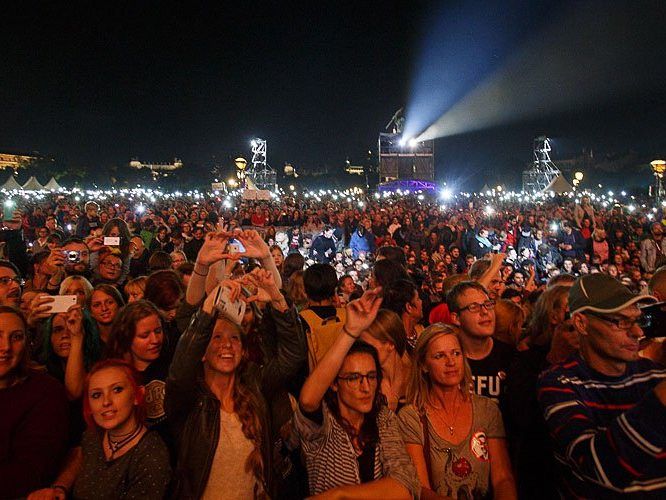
{"x": 115, "y": 446}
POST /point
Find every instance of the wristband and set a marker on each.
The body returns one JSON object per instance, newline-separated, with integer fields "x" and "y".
{"x": 344, "y": 329}
{"x": 201, "y": 274}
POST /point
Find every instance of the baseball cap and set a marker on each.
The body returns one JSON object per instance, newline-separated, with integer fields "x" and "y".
{"x": 603, "y": 294}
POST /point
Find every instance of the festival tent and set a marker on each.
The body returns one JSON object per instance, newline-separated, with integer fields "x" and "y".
{"x": 11, "y": 184}
{"x": 558, "y": 185}
{"x": 52, "y": 185}
{"x": 32, "y": 185}
{"x": 485, "y": 188}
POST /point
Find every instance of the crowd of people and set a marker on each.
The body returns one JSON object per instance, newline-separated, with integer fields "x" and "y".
{"x": 381, "y": 348}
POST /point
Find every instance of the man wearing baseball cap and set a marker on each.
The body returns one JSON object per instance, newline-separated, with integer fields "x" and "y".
{"x": 605, "y": 407}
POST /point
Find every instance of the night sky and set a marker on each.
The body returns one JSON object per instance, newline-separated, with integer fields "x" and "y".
{"x": 96, "y": 86}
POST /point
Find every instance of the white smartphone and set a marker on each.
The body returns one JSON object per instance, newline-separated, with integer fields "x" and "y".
{"x": 234, "y": 248}
{"x": 62, "y": 303}
{"x": 112, "y": 241}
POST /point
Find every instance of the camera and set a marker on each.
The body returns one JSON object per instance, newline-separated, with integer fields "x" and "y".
{"x": 72, "y": 256}
{"x": 654, "y": 320}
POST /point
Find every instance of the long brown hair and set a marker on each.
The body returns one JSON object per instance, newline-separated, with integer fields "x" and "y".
{"x": 123, "y": 329}
{"x": 388, "y": 327}
{"x": 540, "y": 329}
{"x": 369, "y": 432}
{"x": 249, "y": 408}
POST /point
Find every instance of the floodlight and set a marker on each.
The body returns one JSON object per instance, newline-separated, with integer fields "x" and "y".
{"x": 253, "y": 143}
{"x": 445, "y": 194}
{"x": 140, "y": 209}
{"x": 413, "y": 143}
{"x": 578, "y": 176}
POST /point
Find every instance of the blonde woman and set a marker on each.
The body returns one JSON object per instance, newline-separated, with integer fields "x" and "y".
{"x": 455, "y": 438}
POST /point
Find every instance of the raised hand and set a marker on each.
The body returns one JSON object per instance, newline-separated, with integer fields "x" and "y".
{"x": 55, "y": 262}
{"x": 95, "y": 244}
{"x": 255, "y": 246}
{"x": 74, "y": 320}
{"x": 362, "y": 312}
{"x": 40, "y": 309}
{"x": 214, "y": 249}
{"x": 267, "y": 290}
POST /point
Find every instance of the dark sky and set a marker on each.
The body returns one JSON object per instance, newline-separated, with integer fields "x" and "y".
{"x": 98, "y": 85}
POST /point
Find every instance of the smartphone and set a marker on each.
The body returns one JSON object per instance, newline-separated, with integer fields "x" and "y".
{"x": 233, "y": 310}
{"x": 233, "y": 248}
{"x": 8, "y": 208}
{"x": 112, "y": 241}
{"x": 61, "y": 303}
{"x": 654, "y": 320}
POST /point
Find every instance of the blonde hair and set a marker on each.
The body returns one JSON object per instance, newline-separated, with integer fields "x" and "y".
{"x": 295, "y": 290}
{"x": 420, "y": 385}
{"x": 137, "y": 284}
{"x": 87, "y": 287}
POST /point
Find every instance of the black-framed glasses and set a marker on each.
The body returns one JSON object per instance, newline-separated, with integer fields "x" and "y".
{"x": 353, "y": 380}
{"x": 112, "y": 265}
{"x": 6, "y": 280}
{"x": 475, "y": 307}
{"x": 625, "y": 324}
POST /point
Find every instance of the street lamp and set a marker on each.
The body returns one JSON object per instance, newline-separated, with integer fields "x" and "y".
{"x": 659, "y": 167}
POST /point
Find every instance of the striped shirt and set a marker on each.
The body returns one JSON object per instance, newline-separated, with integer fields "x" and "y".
{"x": 330, "y": 457}
{"x": 609, "y": 433}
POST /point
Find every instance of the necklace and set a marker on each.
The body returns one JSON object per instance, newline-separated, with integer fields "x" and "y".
{"x": 124, "y": 440}
{"x": 450, "y": 426}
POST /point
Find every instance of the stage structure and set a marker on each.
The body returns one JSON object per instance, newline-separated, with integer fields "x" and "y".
{"x": 543, "y": 171}
{"x": 263, "y": 176}
{"x": 405, "y": 166}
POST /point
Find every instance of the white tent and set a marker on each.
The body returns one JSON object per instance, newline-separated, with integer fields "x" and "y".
{"x": 52, "y": 185}
{"x": 11, "y": 184}
{"x": 485, "y": 188}
{"x": 558, "y": 185}
{"x": 32, "y": 185}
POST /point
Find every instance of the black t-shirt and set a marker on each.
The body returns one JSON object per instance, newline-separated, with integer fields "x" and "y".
{"x": 489, "y": 373}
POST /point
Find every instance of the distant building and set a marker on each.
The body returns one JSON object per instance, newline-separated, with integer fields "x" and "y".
{"x": 157, "y": 169}
{"x": 13, "y": 161}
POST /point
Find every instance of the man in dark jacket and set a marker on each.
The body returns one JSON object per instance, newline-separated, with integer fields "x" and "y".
{"x": 323, "y": 247}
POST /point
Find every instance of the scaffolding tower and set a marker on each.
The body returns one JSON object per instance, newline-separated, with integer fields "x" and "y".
{"x": 263, "y": 176}
{"x": 542, "y": 173}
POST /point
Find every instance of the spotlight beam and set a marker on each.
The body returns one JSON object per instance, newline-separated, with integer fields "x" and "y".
{"x": 584, "y": 60}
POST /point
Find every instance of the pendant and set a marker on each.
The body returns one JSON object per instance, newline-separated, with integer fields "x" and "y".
{"x": 451, "y": 429}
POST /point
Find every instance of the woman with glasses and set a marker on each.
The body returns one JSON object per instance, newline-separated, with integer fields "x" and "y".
{"x": 455, "y": 438}
{"x": 110, "y": 267}
{"x": 350, "y": 439}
